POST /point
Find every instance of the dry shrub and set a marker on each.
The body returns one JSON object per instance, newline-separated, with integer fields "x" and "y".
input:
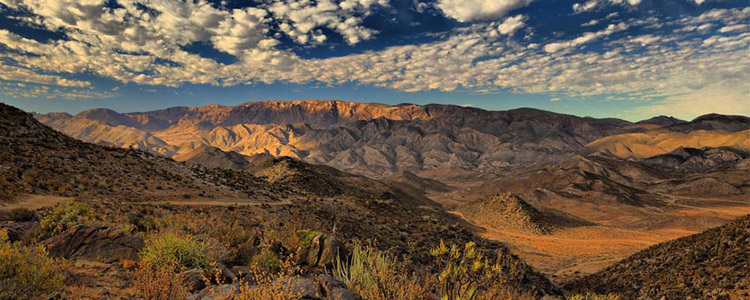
{"x": 375, "y": 275}
{"x": 159, "y": 283}
{"x": 589, "y": 296}
{"x": 271, "y": 285}
{"x": 25, "y": 272}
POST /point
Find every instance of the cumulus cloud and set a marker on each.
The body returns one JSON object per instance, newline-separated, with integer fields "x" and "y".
{"x": 300, "y": 19}
{"x": 511, "y": 24}
{"x": 133, "y": 44}
{"x": 591, "y": 5}
{"x": 472, "y": 10}
{"x": 585, "y": 38}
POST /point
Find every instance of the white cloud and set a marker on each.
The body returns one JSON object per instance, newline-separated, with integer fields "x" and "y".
{"x": 300, "y": 19}
{"x": 593, "y": 4}
{"x": 511, "y": 24}
{"x": 585, "y": 38}
{"x": 472, "y": 10}
{"x": 735, "y": 28}
{"x": 129, "y": 44}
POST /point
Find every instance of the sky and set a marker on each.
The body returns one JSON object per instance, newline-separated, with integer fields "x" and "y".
{"x": 630, "y": 59}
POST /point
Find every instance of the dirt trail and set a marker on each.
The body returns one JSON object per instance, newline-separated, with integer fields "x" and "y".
{"x": 32, "y": 202}
{"x": 213, "y": 202}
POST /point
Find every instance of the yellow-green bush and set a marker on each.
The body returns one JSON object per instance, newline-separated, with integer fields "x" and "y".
{"x": 466, "y": 274}
{"x": 66, "y": 215}
{"x": 375, "y": 275}
{"x": 26, "y": 273}
{"x": 589, "y": 296}
{"x": 266, "y": 262}
{"x": 178, "y": 251}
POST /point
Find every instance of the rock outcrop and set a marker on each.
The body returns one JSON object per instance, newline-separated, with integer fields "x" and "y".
{"x": 94, "y": 243}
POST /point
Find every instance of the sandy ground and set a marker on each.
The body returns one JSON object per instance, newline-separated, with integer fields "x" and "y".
{"x": 32, "y": 202}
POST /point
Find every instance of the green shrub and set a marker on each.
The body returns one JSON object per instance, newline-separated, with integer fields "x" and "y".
{"x": 589, "y": 296}
{"x": 375, "y": 275}
{"x": 266, "y": 262}
{"x": 26, "y": 273}
{"x": 66, "y": 215}
{"x": 306, "y": 236}
{"x": 178, "y": 251}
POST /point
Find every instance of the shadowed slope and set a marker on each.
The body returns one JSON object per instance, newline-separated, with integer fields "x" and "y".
{"x": 711, "y": 265}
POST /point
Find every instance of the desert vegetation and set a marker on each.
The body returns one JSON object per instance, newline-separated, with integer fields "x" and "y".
{"x": 26, "y": 272}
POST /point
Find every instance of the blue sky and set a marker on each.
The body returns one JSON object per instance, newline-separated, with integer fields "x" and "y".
{"x": 630, "y": 59}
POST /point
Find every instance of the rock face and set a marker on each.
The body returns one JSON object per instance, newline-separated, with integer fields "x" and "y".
{"x": 95, "y": 243}
{"x": 714, "y": 264}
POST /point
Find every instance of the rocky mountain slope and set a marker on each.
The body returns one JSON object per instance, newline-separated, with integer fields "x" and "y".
{"x": 509, "y": 211}
{"x": 609, "y": 190}
{"x": 379, "y": 140}
{"x": 711, "y": 265}
{"x": 371, "y": 139}
{"x": 703, "y": 132}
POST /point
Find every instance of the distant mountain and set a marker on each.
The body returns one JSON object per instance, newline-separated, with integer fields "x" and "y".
{"x": 714, "y": 264}
{"x": 214, "y": 157}
{"x": 609, "y": 190}
{"x": 710, "y": 130}
{"x": 662, "y": 121}
{"x": 371, "y": 139}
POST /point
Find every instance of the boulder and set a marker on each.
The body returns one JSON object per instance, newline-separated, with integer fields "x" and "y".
{"x": 94, "y": 243}
{"x": 18, "y": 215}
{"x": 17, "y": 230}
{"x": 332, "y": 247}
{"x": 194, "y": 280}
{"x": 322, "y": 251}
{"x": 217, "y": 292}
{"x": 333, "y": 288}
{"x": 320, "y": 287}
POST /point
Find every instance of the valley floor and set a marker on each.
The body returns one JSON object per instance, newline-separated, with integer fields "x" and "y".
{"x": 570, "y": 253}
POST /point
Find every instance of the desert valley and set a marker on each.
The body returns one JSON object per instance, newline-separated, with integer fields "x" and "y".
{"x": 567, "y": 205}
{"x": 374, "y": 150}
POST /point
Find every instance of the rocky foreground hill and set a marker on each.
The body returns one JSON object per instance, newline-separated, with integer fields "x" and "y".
{"x": 711, "y": 265}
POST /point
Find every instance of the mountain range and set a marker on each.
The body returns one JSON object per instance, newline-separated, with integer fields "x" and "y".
{"x": 379, "y": 140}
